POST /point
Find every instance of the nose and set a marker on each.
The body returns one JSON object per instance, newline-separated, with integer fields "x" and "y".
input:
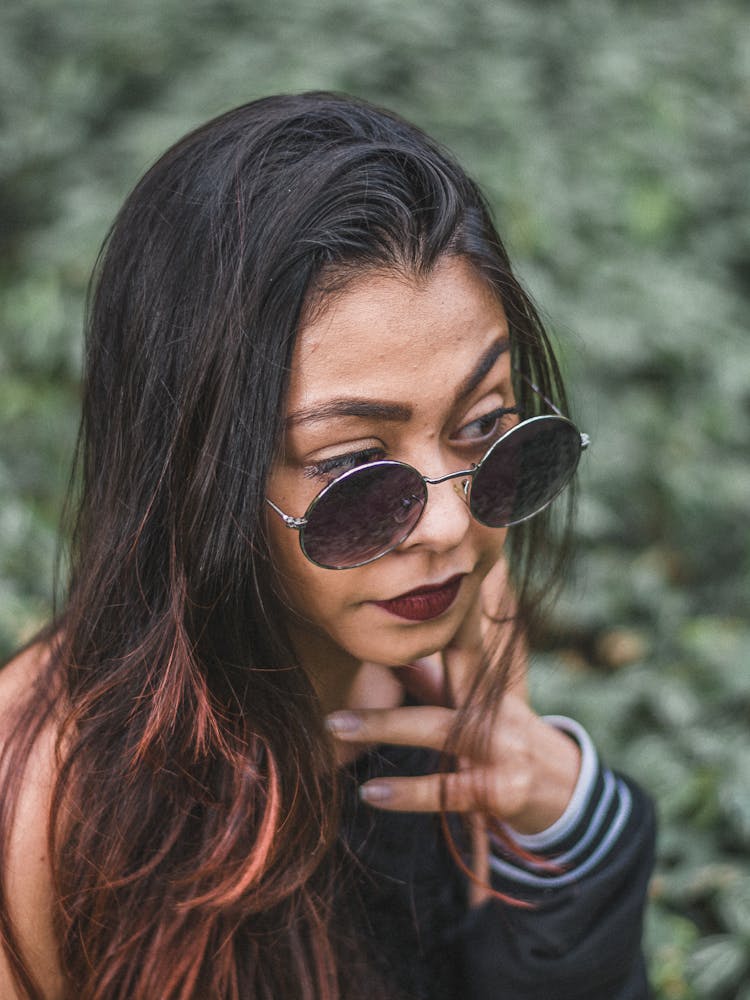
{"x": 445, "y": 519}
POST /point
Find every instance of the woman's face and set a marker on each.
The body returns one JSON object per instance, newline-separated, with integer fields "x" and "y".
{"x": 427, "y": 363}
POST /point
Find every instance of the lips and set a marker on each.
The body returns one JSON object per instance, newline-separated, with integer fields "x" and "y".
{"x": 425, "y": 602}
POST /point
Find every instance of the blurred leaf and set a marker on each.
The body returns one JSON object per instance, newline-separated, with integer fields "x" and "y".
{"x": 717, "y": 965}
{"x": 670, "y": 939}
{"x": 734, "y": 908}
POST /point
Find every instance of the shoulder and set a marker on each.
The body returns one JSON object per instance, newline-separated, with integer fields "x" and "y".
{"x": 27, "y": 871}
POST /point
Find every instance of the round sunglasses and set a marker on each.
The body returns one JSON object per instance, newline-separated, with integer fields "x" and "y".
{"x": 368, "y": 511}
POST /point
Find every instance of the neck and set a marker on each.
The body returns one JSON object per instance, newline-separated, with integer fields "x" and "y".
{"x": 341, "y": 681}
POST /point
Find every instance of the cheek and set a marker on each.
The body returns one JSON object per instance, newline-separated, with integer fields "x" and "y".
{"x": 324, "y": 615}
{"x": 292, "y": 571}
{"x": 489, "y": 543}
{"x": 316, "y": 595}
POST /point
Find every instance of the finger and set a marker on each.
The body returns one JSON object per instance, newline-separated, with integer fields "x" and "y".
{"x": 425, "y": 680}
{"x": 465, "y": 791}
{"x": 498, "y": 622}
{"x": 517, "y": 675}
{"x": 488, "y": 629}
{"x": 494, "y": 589}
{"x": 468, "y": 637}
{"x": 463, "y": 653}
{"x": 507, "y": 645}
{"x": 420, "y": 726}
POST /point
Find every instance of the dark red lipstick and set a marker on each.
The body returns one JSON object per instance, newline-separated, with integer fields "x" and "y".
{"x": 425, "y": 602}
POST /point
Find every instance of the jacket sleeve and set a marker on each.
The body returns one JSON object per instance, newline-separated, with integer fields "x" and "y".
{"x": 581, "y": 886}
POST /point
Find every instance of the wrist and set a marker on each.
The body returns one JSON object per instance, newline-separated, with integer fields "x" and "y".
{"x": 556, "y": 757}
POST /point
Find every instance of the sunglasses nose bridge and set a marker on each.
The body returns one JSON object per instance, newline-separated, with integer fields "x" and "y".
{"x": 461, "y": 489}
{"x": 465, "y": 474}
{"x": 441, "y": 524}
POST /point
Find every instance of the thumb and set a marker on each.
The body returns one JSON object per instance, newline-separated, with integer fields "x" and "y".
{"x": 424, "y": 679}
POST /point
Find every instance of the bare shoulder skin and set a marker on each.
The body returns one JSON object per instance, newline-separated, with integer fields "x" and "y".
{"x": 28, "y": 873}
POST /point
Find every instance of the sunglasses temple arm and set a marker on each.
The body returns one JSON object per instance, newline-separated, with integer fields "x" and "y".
{"x": 585, "y": 439}
{"x": 291, "y": 522}
{"x": 539, "y": 392}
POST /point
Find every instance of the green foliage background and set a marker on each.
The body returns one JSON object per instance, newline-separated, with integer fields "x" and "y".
{"x": 613, "y": 140}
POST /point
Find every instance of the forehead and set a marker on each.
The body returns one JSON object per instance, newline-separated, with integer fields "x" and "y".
{"x": 392, "y": 336}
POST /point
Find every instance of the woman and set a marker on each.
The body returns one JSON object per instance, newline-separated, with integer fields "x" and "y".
{"x": 276, "y": 744}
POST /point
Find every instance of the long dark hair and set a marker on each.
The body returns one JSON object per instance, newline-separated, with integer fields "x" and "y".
{"x": 196, "y": 806}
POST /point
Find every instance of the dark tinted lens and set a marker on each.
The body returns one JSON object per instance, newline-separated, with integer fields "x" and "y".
{"x": 525, "y": 471}
{"x": 364, "y": 514}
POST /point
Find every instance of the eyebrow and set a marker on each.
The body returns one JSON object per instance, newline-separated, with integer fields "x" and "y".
{"x": 351, "y": 407}
{"x": 496, "y": 349}
{"x": 356, "y": 406}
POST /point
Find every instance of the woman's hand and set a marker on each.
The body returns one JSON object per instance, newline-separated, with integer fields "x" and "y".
{"x": 526, "y": 774}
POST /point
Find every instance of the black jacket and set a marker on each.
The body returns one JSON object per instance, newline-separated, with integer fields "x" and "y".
{"x": 579, "y": 939}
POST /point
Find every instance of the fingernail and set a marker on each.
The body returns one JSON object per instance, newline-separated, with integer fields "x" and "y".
{"x": 343, "y": 723}
{"x": 375, "y": 791}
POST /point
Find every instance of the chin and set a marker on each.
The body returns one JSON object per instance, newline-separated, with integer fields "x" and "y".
{"x": 414, "y": 643}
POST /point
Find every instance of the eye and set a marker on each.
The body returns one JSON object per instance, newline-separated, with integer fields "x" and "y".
{"x": 489, "y": 425}
{"x": 329, "y": 468}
